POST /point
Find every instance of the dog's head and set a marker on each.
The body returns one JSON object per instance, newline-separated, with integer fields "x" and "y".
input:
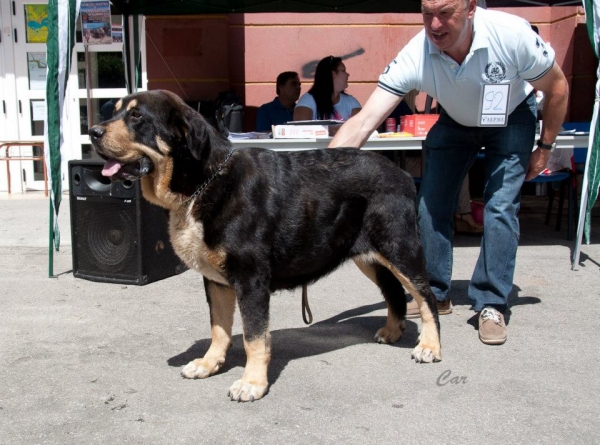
{"x": 148, "y": 130}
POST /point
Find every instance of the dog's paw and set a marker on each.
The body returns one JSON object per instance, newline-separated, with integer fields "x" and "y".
{"x": 427, "y": 354}
{"x": 243, "y": 391}
{"x": 390, "y": 333}
{"x": 201, "y": 368}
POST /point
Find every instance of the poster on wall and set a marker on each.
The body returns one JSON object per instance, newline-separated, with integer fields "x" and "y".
{"x": 38, "y": 110}
{"x": 36, "y": 23}
{"x": 117, "y": 33}
{"x": 36, "y": 64}
{"x": 95, "y": 22}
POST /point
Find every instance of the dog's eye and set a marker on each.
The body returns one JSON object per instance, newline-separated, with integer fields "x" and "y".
{"x": 135, "y": 114}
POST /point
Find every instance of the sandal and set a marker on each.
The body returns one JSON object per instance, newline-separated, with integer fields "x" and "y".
{"x": 462, "y": 226}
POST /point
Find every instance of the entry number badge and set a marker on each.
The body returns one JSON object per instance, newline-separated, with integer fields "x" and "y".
{"x": 494, "y": 105}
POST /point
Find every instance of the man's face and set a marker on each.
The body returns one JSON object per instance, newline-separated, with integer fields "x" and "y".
{"x": 291, "y": 89}
{"x": 448, "y": 23}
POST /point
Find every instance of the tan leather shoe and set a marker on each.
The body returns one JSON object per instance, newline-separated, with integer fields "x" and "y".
{"x": 492, "y": 329}
{"x": 412, "y": 309}
{"x": 444, "y": 307}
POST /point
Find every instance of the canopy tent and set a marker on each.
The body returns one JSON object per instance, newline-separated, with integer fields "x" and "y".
{"x": 63, "y": 15}
{"x": 171, "y": 7}
{"x": 591, "y": 176}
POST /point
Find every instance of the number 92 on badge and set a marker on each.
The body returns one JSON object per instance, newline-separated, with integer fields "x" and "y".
{"x": 494, "y": 105}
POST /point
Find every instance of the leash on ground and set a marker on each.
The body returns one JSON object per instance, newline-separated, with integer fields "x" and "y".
{"x": 306, "y": 313}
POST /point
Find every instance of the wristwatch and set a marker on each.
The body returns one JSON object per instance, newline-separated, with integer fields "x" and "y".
{"x": 549, "y": 147}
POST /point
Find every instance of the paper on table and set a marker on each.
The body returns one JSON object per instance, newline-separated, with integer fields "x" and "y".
{"x": 316, "y": 122}
{"x": 250, "y": 135}
{"x": 569, "y": 132}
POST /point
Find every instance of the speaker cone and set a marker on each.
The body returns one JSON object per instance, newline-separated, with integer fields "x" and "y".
{"x": 111, "y": 238}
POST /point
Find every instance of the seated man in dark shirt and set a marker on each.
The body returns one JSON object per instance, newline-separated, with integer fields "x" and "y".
{"x": 281, "y": 109}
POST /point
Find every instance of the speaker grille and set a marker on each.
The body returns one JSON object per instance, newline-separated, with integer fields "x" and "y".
{"x": 109, "y": 242}
{"x": 111, "y": 239}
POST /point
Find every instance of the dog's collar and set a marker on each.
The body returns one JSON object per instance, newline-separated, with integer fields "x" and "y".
{"x": 208, "y": 181}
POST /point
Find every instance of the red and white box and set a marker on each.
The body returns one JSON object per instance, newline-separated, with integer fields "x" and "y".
{"x": 418, "y": 124}
{"x": 306, "y": 129}
{"x": 300, "y": 131}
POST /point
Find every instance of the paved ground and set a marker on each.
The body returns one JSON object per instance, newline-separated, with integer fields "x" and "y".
{"x": 98, "y": 363}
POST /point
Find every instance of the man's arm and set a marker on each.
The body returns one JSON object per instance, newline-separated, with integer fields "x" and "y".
{"x": 556, "y": 97}
{"x": 357, "y": 129}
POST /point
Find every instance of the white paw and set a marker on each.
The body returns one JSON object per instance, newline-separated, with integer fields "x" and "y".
{"x": 242, "y": 391}
{"x": 195, "y": 370}
{"x": 424, "y": 354}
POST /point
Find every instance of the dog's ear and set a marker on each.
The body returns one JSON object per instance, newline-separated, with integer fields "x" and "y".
{"x": 198, "y": 134}
{"x": 193, "y": 136}
{"x": 192, "y": 133}
{"x": 186, "y": 132}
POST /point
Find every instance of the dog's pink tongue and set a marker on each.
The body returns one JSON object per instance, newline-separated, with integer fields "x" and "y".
{"x": 111, "y": 168}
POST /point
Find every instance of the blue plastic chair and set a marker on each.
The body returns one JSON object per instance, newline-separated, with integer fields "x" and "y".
{"x": 564, "y": 179}
{"x": 565, "y": 182}
{"x": 579, "y": 158}
{"x": 577, "y": 126}
{"x": 579, "y": 153}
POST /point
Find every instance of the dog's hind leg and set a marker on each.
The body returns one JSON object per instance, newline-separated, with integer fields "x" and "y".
{"x": 253, "y": 300}
{"x": 410, "y": 271}
{"x": 395, "y": 298}
{"x": 221, "y": 301}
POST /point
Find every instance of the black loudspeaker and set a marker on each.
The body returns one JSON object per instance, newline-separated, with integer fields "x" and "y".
{"x": 117, "y": 236}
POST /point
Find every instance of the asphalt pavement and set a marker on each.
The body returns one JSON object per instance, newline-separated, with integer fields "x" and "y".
{"x": 99, "y": 363}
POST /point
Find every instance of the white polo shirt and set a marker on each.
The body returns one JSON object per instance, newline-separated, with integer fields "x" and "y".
{"x": 505, "y": 50}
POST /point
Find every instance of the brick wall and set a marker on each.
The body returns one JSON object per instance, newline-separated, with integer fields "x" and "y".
{"x": 198, "y": 56}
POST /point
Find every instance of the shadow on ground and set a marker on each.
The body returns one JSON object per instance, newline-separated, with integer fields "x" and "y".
{"x": 346, "y": 329}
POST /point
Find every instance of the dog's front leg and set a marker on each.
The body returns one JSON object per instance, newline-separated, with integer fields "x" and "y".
{"x": 254, "y": 308}
{"x": 221, "y": 300}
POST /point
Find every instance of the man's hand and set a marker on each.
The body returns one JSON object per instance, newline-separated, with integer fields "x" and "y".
{"x": 537, "y": 163}
{"x": 357, "y": 129}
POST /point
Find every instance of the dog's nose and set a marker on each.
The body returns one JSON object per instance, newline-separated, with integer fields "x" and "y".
{"x": 96, "y": 132}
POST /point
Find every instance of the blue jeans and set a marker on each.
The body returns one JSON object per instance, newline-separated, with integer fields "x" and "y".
{"x": 451, "y": 149}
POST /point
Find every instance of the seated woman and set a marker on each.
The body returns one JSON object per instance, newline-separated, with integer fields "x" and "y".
{"x": 327, "y": 99}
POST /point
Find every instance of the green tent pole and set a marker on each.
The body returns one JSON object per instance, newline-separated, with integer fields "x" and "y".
{"x": 51, "y": 242}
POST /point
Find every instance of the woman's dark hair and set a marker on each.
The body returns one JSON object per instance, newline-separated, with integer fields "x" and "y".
{"x": 322, "y": 88}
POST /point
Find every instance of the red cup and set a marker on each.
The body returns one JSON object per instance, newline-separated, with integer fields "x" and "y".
{"x": 390, "y": 125}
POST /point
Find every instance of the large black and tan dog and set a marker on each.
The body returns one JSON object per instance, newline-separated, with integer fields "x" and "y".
{"x": 253, "y": 221}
